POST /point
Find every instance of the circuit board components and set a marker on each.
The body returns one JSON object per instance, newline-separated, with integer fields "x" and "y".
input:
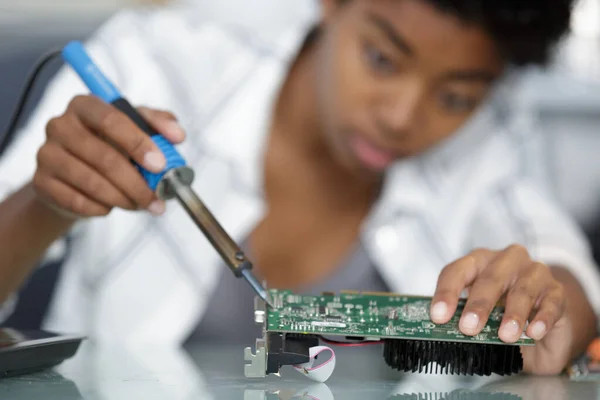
{"x": 373, "y": 316}
{"x": 411, "y": 341}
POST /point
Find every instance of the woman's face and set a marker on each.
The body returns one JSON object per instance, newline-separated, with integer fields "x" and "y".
{"x": 396, "y": 77}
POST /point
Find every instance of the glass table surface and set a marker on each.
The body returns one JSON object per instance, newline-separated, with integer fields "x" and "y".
{"x": 207, "y": 372}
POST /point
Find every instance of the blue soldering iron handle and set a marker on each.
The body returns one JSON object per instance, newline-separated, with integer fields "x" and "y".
{"x": 74, "y": 54}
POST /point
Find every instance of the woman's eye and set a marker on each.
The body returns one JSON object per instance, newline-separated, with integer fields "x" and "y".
{"x": 457, "y": 103}
{"x": 378, "y": 61}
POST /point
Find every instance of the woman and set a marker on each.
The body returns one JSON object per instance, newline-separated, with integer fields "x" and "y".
{"x": 356, "y": 149}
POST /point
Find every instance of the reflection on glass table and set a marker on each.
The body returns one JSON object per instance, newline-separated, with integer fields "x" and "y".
{"x": 322, "y": 392}
{"x": 42, "y": 385}
{"x": 206, "y": 372}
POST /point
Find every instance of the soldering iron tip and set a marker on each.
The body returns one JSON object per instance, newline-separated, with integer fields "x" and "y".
{"x": 258, "y": 288}
{"x": 264, "y": 294}
{"x": 268, "y": 299}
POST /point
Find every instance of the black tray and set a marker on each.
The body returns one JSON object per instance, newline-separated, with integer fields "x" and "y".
{"x": 24, "y": 352}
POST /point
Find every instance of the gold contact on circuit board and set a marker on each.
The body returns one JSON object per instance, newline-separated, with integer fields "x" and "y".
{"x": 356, "y": 292}
{"x": 382, "y": 294}
{"x": 500, "y": 303}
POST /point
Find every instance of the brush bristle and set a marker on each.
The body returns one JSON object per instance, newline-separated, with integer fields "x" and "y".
{"x": 452, "y": 357}
{"x": 461, "y": 394}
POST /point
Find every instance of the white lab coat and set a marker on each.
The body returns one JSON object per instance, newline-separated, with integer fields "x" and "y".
{"x": 138, "y": 279}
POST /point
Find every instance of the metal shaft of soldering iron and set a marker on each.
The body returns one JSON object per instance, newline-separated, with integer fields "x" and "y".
{"x": 233, "y": 256}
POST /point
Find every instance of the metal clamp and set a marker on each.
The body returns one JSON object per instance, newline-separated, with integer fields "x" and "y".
{"x": 258, "y": 362}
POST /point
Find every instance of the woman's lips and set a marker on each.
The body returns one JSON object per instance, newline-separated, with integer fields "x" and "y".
{"x": 370, "y": 155}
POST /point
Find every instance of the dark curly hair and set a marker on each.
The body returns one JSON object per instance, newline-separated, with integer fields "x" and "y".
{"x": 525, "y": 31}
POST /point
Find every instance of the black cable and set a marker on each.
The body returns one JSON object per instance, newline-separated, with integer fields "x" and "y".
{"x": 11, "y": 131}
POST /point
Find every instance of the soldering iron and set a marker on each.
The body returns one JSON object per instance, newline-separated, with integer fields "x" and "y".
{"x": 174, "y": 181}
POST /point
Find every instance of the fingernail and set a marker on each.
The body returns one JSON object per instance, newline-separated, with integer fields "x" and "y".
{"x": 469, "y": 322}
{"x": 510, "y": 330}
{"x": 156, "y": 208}
{"x": 154, "y": 160}
{"x": 175, "y": 130}
{"x": 439, "y": 311}
{"x": 538, "y": 330}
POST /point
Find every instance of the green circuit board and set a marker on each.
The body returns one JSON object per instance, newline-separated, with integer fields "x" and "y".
{"x": 372, "y": 316}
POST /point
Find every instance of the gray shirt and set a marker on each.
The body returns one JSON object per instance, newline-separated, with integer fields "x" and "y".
{"x": 230, "y": 313}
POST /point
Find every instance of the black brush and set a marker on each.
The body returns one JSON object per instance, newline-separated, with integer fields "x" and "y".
{"x": 457, "y": 395}
{"x": 454, "y": 358}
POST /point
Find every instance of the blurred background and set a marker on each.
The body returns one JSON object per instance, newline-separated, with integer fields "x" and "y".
{"x": 562, "y": 102}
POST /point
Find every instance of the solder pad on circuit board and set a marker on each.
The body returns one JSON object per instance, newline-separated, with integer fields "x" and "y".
{"x": 377, "y": 316}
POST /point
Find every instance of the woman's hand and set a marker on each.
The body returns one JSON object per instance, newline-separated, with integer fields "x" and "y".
{"x": 532, "y": 295}
{"x": 84, "y": 167}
